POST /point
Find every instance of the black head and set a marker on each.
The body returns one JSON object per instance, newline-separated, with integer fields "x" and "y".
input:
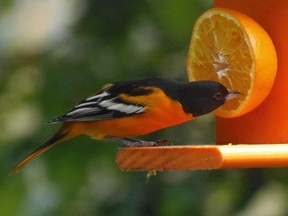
{"x": 202, "y": 97}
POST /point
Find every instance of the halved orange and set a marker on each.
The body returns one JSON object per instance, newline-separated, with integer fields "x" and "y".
{"x": 231, "y": 48}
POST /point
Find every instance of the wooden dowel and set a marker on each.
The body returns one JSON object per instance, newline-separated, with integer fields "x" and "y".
{"x": 203, "y": 157}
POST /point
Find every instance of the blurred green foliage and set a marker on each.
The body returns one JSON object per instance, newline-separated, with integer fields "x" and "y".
{"x": 55, "y": 53}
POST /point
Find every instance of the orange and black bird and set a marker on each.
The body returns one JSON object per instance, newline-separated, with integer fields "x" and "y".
{"x": 127, "y": 109}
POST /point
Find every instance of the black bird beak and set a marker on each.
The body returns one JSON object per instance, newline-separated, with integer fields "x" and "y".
{"x": 232, "y": 94}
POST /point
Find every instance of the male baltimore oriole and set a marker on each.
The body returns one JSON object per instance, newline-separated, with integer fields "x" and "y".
{"x": 127, "y": 109}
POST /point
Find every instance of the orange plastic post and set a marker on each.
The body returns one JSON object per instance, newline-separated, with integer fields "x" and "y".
{"x": 268, "y": 123}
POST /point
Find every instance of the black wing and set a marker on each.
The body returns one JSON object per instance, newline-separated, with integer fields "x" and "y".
{"x": 107, "y": 104}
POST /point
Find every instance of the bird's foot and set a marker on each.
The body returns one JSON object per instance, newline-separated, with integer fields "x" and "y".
{"x": 130, "y": 142}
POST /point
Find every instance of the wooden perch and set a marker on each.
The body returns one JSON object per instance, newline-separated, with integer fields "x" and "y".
{"x": 203, "y": 157}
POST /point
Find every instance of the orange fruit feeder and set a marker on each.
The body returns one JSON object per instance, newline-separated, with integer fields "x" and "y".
{"x": 235, "y": 44}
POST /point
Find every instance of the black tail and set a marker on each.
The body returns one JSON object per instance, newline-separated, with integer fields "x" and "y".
{"x": 58, "y": 137}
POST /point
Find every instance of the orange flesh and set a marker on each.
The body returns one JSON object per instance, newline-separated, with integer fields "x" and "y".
{"x": 231, "y": 48}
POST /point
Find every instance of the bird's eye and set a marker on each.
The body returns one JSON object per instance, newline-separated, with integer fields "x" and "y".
{"x": 218, "y": 96}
